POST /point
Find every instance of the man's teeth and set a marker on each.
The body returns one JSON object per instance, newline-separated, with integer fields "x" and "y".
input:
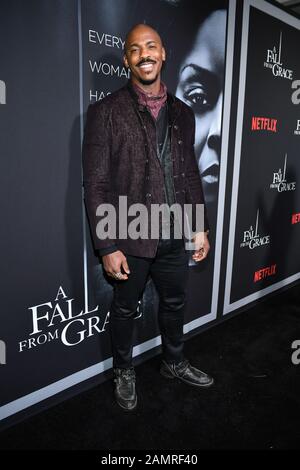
{"x": 146, "y": 66}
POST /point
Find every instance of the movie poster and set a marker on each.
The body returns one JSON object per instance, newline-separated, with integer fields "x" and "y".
{"x": 264, "y": 248}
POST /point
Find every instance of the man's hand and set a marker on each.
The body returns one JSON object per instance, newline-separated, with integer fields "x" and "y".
{"x": 202, "y": 246}
{"x": 113, "y": 263}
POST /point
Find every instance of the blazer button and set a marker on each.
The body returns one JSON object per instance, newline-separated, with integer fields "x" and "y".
{"x": 183, "y": 175}
{"x": 148, "y": 195}
{"x": 175, "y": 127}
{"x": 180, "y": 142}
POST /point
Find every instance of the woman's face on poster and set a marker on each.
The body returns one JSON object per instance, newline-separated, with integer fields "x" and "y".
{"x": 200, "y": 85}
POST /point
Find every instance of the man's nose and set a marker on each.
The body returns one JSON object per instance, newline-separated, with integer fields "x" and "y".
{"x": 144, "y": 52}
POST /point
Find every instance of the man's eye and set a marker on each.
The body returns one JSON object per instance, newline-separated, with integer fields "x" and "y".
{"x": 197, "y": 99}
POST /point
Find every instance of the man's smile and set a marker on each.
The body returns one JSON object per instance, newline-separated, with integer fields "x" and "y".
{"x": 146, "y": 67}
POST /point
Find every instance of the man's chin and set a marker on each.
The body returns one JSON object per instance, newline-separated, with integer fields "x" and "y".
{"x": 147, "y": 81}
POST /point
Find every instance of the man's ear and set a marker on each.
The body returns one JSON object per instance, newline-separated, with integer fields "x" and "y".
{"x": 163, "y": 54}
{"x": 125, "y": 61}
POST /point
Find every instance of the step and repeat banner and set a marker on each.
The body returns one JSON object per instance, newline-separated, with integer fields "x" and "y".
{"x": 57, "y": 57}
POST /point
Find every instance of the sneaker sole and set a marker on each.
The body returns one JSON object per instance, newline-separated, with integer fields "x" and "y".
{"x": 125, "y": 407}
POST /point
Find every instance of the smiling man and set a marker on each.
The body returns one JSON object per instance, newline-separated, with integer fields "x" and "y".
{"x": 144, "y": 55}
{"x": 139, "y": 143}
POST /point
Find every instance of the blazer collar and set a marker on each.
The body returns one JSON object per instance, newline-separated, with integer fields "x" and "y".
{"x": 174, "y": 105}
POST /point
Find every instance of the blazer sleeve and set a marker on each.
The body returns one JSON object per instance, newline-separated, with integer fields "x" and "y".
{"x": 194, "y": 189}
{"x": 96, "y": 154}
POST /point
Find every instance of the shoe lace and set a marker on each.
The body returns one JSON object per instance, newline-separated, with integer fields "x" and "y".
{"x": 182, "y": 366}
{"x": 126, "y": 374}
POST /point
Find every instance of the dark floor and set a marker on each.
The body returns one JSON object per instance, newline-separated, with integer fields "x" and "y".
{"x": 254, "y": 404}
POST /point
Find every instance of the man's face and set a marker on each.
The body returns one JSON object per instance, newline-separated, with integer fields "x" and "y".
{"x": 201, "y": 87}
{"x": 144, "y": 55}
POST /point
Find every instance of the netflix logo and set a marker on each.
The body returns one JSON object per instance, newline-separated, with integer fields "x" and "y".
{"x": 296, "y": 218}
{"x": 264, "y": 272}
{"x": 263, "y": 124}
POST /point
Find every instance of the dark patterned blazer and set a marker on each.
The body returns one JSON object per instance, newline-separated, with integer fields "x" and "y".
{"x": 120, "y": 159}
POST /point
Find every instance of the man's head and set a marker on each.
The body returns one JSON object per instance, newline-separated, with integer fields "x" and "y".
{"x": 144, "y": 54}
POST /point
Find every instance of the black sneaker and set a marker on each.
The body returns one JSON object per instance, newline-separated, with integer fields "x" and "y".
{"x": 125, "y": 391}
{"x": 186, "y": 373}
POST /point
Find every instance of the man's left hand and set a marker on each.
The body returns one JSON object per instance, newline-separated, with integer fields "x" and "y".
{"x": 202, "y": 246}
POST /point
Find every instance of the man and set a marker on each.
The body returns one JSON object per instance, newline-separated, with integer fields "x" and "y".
{"x": 139, "y": 143}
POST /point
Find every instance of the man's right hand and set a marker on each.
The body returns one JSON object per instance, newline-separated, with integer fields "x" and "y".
{"x": 113, "y": 262}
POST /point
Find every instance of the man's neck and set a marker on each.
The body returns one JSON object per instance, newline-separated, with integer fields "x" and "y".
{"x": 152, "y": 89}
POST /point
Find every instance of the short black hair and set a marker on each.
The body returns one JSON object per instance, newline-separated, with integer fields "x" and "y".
{"x": 136, "y": 26}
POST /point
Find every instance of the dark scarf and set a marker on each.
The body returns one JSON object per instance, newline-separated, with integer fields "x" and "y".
{"x": 153, "y": 103}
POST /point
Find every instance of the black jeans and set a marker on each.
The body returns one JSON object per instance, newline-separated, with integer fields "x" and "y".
{"x": 169, "y": 272}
